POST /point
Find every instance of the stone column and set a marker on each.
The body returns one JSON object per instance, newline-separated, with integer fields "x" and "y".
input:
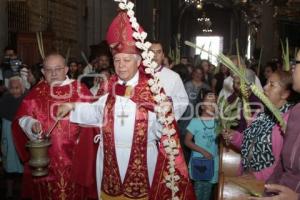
{"x": 108, "y": 10}
{"x": 144, "y": 14}
{"x": 267, "y": 34}
{"x": 100, "y": 14}
{"x": 93, "y": 21}
{"x": 3, "y": 26}
{"x": 81, "y": 29}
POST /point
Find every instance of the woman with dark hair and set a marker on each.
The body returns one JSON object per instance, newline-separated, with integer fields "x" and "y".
{"x": 34, "y": 74}
{"x": 236, "y": 98}
{"x": 31, "y": 75}
{"x": 194, "y": 86}
{"x": 73, "y": 69}
{"x": 269, "y": 68}
{"x": 193, "y": 89}
{"x": 285, "y": 181}
{"x": 261, "y": 142}
{"x": 217, "y": 82}
{"x": 9, "y": 103}
{"x": 201, "y": 138}
{"x": 168, "y": 62}
{"x": 207, "y": 75}
{"x": 182, "y": 71}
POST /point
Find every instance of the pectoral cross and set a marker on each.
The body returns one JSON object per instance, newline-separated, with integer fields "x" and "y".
{"x": 122, "y": 116}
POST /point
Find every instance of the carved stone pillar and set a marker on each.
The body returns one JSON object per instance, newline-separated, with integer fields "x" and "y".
{"x": 100, "y": 14}
{"x": 267, "y": 34}
{"x": 3, "y": 26}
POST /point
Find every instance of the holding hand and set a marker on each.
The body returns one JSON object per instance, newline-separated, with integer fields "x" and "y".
{"x": 284, "y": 193}
{"x": 64, "y": 109}
{"x": 37, "y": 128}
{"x": 207, "y": 155}
{"x": 227, "y": 135}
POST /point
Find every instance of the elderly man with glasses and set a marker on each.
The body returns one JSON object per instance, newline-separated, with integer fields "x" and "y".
{"x": 35, "y": 118}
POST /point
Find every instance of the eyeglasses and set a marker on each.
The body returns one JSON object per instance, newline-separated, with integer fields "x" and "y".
{"x": 56, "y": 70}
{"x": 294, "y": 64}
{"x": 274, "y": 84}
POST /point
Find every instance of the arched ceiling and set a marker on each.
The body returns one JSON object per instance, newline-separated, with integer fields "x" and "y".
{"x": 286, "y": 9}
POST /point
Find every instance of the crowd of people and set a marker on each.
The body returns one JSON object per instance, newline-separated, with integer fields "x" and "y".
{"x": 107, "y": 100}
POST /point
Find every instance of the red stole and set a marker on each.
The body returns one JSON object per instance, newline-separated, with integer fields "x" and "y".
{"x": 136, "y": 182}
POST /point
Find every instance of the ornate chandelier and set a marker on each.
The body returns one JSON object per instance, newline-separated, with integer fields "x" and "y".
{"x": 192, "y": 1}
{"x": 198, "y": 3}
{"x": 205, "y": 23}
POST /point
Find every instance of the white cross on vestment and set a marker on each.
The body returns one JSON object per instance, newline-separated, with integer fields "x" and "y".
{"x": 122, "y": 116}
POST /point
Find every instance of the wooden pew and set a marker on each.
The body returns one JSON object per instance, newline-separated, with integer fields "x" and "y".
{"x": 231, "y": 186}
{"x": 238, "y": 188}
{"x": 230, "y": 159}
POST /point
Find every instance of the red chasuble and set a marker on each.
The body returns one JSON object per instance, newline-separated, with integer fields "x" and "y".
{"x": 136, "y": 183}
{"x": 72, "y": 153}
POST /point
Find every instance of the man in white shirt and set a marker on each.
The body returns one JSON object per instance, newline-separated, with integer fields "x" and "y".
{"x": 171, "y": 81}
{"x": 227, "y": 89}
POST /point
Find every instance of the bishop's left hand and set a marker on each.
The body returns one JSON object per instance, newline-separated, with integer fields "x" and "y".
{"x": 284, "y": 193}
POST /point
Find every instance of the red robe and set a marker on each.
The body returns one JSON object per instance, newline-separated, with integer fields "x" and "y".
{"x": 135, "y": 184}
{"x": 72, "y": 152}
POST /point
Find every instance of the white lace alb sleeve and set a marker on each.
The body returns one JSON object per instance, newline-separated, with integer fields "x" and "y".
{"x": 26, "y": 123}
{"x": 89, "y": 113}
{"x": 180, "y": 98}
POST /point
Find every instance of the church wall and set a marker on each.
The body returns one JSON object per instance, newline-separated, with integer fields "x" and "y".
{"x": 100, "y": 15}
{"x": 3, "y": 27}
{"x": 60, "y": 17}
{"x": 164, "y": 24}
{"x": 144, "y": 14}
{"x": 108, "y": 10}
{"x": 38, "y": 15}
{"x": 81, "y": 30}
{"x": 268, "y": 36}
{"x": 223, "y": 23}
{"x": 93, "y": 21}
{"x": 81, "y": 23}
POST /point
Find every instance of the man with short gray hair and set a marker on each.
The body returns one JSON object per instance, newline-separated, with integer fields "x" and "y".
{"x": 131, "y": 159}
{"x": 35, "y": 118}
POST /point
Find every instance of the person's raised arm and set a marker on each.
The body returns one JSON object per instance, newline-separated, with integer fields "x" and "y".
{"x": 90, "y": 114}
{"x": 64, "y": 109}
{"x": 283, "y": 193}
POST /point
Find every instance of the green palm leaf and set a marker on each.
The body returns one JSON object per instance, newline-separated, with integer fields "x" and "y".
{"x": 257, "y": 92}
{"x": 285, "y": 55}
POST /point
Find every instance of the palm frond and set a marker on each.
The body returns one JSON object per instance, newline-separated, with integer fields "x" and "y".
{"x": 257, "y": 92}
{"x": 259, "y": 61}
{"x": 68, "y": 54}
{"x": 285, "y": 55}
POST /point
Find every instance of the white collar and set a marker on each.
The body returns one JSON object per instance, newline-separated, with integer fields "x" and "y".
{"x": 67, "y": 81}
{"x": 159, "y": 68}
{"x": 133, "y": 81}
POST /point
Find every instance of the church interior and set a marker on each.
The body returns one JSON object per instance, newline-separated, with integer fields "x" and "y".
{"x": 261, "y": 35}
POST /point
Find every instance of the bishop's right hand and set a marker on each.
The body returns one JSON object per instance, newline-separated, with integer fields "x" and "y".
{"x": 37, "y": 128}
{"x": 64, "y": 109}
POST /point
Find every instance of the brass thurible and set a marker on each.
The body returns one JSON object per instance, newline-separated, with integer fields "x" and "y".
{"x": 39, "y": 159}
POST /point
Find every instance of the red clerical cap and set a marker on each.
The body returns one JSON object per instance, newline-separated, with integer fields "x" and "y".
{"x": 119, "y": 35}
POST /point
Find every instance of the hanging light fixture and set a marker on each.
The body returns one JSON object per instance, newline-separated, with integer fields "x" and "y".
{"x": 198, "y": 3}
{"x": 205, "y": 23}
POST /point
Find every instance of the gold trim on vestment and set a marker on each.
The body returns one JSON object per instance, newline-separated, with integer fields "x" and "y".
{"x": 105, "y": 196}
{"x": 128, "y": 91}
